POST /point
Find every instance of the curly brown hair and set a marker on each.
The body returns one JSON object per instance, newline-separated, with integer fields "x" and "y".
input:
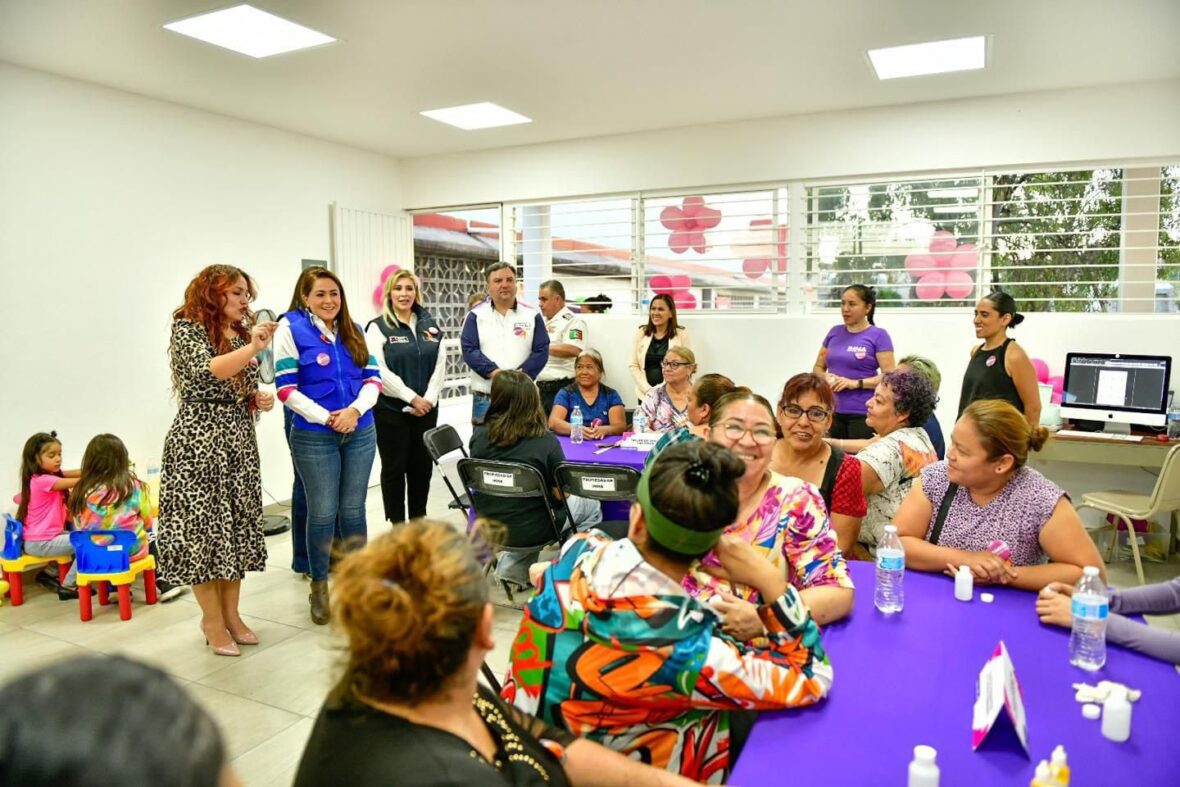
{"x": 204, "y": 303}
{"x": 410, "y": 603}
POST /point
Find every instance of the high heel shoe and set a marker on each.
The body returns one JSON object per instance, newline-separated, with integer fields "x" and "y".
{"x": 231, "y": 649}
{"x": 249, "y": 638}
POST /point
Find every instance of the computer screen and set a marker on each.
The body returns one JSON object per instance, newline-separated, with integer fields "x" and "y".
{"x": 1128, "y": 389}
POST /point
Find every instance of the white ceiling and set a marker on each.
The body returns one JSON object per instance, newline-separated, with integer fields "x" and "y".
{"x": 582, "y": 69}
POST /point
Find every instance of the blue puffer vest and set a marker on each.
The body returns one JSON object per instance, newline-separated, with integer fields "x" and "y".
{"x": 327, "y": 373}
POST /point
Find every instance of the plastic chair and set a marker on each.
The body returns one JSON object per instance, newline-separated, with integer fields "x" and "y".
{"x": 604, "y": 483}
{"x": 514, "y": 480}
{"x": 14, "y": 562}
{"x": 442, "y": 441}
{"x": 1128, "y": 506}
{"x": 110, "y": 562}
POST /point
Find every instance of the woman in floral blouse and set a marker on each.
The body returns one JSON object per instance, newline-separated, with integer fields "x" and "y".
{"x": 666, "y": 405}
{"x": 781, "y": 517}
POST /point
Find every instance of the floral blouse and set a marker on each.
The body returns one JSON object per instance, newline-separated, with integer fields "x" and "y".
{"x": 790, "y": 526}
{"x": 134, "y": 514}
{"x": 661, "y": 413}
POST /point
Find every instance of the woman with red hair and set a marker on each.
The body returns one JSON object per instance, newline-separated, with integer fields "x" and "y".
{"x": 210, "y": 523}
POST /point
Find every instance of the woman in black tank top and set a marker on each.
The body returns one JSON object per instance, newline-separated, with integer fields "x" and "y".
{"x": 1000, "y": 368}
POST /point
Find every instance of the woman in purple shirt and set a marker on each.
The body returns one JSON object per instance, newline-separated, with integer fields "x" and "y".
{"x": 1163, "y": 598}
{"x": 853, "y": 358}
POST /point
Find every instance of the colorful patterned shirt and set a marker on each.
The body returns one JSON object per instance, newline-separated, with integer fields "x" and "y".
{"x": 791, "y": 528}
{"x": 896, "y": 458}
{"x": 661, "y": 413}
{"x": 134, "y": 514}
{"x": 612, "y": 649}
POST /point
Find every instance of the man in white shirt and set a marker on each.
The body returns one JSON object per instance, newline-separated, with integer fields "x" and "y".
{"x": 567, "y": 338}
{"x": 501, "y": 333}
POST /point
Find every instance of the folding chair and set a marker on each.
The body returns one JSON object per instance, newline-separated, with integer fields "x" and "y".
{"x": 440, "y": 442}
{"x": 599, "y": 482}
{"x": 514, "y": 480}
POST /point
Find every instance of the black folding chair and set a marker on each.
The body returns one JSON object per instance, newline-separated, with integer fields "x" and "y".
{"x": 598, "y": 482}
{"x": 442, "y": 441}
{"x": 514, "y": 480}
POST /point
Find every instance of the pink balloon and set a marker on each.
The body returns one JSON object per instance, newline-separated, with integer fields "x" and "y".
{"x": 919, "y": 264}
{"x": 684, "y": 300}
{"x": 681, "y": 282}
{"x": 389, "y": 271}
{"x": 1058, "y": 383}
{"x": 942, "y": 242}
{"x": 1042, "y": 370}
{"x": 661, "y": 284}
{"x": 964, "y": 258}
{"x": 755, "y": 268}
{"x": 958, "y": 284}
{"x": 672, "y": 217}
{"x": 1055, "y": 398}
{"x": 931, "y": 286}
{"x": 377, "y": 295}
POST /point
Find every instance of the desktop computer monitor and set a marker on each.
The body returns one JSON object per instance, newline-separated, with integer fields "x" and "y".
{"x": 1116, "y": 390}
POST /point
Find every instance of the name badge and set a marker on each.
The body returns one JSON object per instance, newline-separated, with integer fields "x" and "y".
{"x": 322, "y": 359}
{"x": 399, "y": 339}
{"x": 520, "y": 328}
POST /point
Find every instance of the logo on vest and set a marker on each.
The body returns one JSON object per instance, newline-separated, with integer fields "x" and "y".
{"x": 399, "y": 339}
{"x": 860, "y": 353}
{"x": 322, "y": 359}
{"x": 991, "y": 361}
{"x": 520, "y": 328}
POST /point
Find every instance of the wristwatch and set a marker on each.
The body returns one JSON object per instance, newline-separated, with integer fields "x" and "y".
{"x": 860, "y": 384}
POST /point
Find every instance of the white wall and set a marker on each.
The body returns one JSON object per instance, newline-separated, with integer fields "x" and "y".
{"x": 762, "y": 352}
{"x": 109, "y": 204}
{"x": 1119, "y": 122}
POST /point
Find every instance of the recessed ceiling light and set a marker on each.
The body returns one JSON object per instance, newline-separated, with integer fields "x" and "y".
{"x": 247, "y": 30}
{"x": 935, "y": 57}
{"x": 472, "y": 116}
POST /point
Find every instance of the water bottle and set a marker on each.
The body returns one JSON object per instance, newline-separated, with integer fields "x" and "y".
{"x": 576, "y": 425}
{"x": 1174, "y": 423}
{"x": 639, "y": 422}
{"x": 153, "y": 484}
{"x": 889, "y": 596}
{"x": 1090, "y": 606}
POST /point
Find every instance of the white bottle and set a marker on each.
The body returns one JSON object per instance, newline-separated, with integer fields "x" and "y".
{"x": 153, "y": 482}
{"x": 964, "y": 584}
{"x": 576, "y": 425}
{"x": 1058, "y": 767}
{"x": 1090, "y": 607}
{"x": 1041, "y": 777}
{"x": 889, "y": 595}
{"x": 639, "y": 422}
{"x": 923, "y": 771}
{"x": 1116, "y": 715}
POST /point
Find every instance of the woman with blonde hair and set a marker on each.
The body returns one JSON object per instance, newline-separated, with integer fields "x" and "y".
{"x": 407, "y": 343}
{"x": 985, "y": 508}
{"x": 666, "y": 405}
{"x": 327, "y": 376}
{"x": 409, "y": 708}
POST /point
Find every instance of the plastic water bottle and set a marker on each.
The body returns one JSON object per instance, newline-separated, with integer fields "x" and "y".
{"x": 639, "y": 422}
{"x": 923, "y": 771}
{"x": 576, "y": 425}
{"x": 153, "y": 483}
{"x": 1090, "y": 606}
{"x": 889, "y": 596}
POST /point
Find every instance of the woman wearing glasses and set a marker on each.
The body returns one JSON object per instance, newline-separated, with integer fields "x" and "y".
{"x": 783, "y": 518}
{"x": 804, "y": 415}
{"x": 666, "y": 405}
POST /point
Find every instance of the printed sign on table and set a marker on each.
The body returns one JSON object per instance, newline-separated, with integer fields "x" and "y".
{"x": 998, "y": 689}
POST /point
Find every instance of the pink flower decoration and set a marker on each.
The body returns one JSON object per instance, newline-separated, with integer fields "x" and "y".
{"x": 763, "y": 255}
{"x": 675, "y": 287}
{"x": 388, "y": 271}
{"x": 688, "y": 224}
{"x": 945, "y": 270}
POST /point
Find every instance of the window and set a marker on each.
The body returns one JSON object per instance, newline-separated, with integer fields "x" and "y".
{"x": 716, "y": 252}
{"x": 1167, "y": 297}
{"x": 586, "y": 245}
{"x": 451, "y": 250}
{"x": 915, "y": 241}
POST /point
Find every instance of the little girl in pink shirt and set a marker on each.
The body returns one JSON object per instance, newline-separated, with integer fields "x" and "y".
{"x": 43, "y": 505}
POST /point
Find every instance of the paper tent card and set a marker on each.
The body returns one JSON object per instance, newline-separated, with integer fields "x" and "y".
{"x": 997, "y": 689}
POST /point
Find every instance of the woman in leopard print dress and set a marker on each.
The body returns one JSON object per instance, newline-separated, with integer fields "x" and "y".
{"x": 210, "y": 523}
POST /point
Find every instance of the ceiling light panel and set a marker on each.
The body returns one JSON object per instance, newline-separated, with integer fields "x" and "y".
{"x": 246, "y": 29}
{"x": 934, "y": 57}
{"x": 470, "y": 117}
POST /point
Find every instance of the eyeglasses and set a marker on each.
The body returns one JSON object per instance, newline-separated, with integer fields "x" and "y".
{"x": 762, "y": 435}
{"x": 674, "y": 364}
{"x": 816, "y": 415}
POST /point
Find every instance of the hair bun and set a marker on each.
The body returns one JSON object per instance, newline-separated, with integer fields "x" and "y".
{"x": 698, "y": 474}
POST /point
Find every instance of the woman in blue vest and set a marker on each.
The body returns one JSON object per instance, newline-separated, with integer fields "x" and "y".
{"x": 407, "y": 344}
{"x": 327, "y": 377}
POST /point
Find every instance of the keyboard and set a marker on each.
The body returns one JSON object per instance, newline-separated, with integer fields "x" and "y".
{"x": 1122, "y": 438}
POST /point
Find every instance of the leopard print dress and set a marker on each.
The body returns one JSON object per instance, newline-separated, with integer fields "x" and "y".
{"x": 210, "y": 523}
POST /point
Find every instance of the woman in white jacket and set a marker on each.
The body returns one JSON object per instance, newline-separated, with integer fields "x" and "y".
{"x": 652, "y": 342}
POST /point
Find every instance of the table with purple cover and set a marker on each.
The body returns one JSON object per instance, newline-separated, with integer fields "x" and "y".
{"x": 584, "y": 453}
{"x": 909, "y": 678}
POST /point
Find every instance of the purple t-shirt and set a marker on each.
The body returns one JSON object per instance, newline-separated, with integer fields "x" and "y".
{"x": 854, "y": 355}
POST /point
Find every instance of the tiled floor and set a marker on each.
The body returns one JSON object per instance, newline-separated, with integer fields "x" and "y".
{"x": 267, "y": 699}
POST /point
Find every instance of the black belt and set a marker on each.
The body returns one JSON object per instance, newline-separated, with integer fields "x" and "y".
{"x": 206, "y": 400}
{"x": 554, "y": 385}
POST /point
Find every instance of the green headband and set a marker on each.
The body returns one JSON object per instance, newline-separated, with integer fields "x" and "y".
{"x": 669, "y": 534}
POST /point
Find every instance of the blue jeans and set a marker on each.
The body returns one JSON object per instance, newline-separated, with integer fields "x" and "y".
{"x": 335, "y": 471}
{"x": 299, "y": 562}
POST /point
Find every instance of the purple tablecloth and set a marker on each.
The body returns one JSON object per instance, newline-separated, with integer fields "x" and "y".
{"x": 584, "y": 453}
{"x": 908, "y": 679}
